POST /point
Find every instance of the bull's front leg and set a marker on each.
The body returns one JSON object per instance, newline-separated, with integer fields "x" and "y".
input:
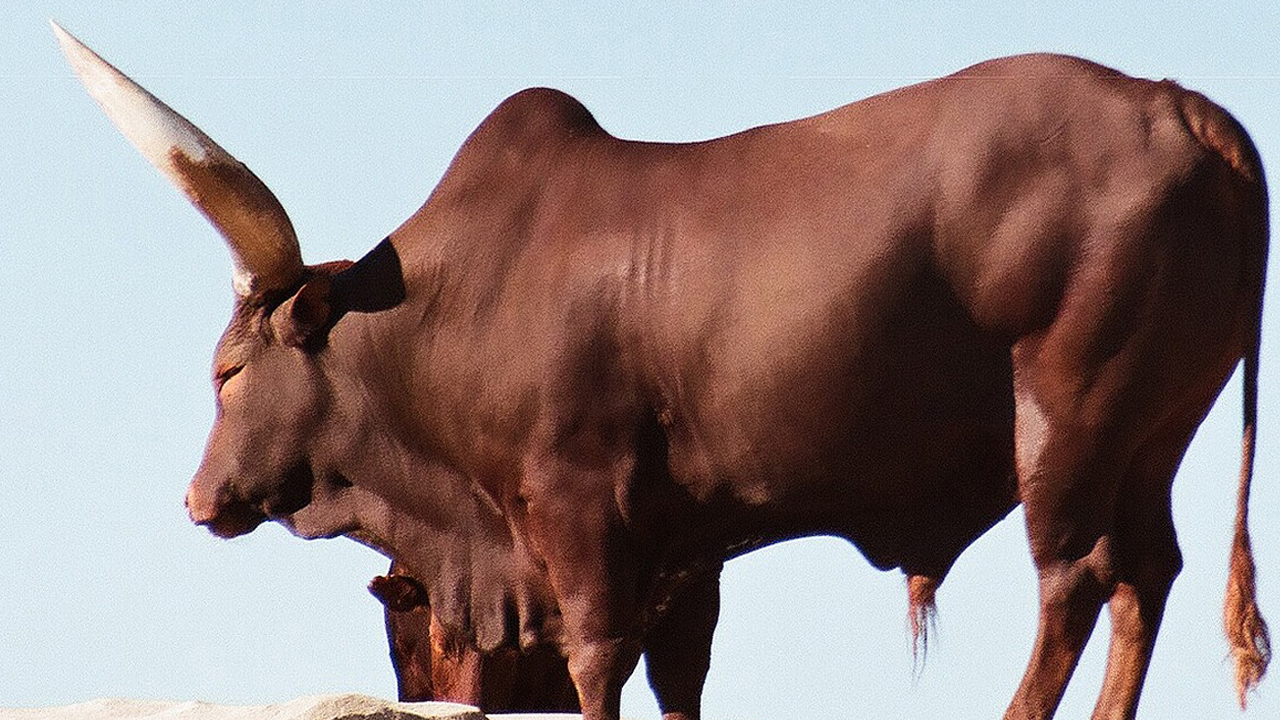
{"x": 576, "y": 527}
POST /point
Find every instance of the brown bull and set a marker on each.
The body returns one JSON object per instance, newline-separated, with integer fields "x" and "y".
{"x": 588, "y": 370}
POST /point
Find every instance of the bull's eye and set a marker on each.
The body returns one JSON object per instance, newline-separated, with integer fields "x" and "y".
{"x": 223, "y": 374}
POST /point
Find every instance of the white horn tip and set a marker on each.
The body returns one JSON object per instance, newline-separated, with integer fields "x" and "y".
{"x": 77, "y": 53}
{"x": 149, "y": 124}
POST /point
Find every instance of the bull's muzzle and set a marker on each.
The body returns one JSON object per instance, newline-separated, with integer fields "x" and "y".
{"x": 225, "y": 517}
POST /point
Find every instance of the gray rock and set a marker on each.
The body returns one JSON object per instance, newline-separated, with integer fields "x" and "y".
{"x": 322, "y": 707}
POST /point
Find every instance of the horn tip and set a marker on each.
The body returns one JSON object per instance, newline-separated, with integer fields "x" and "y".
{"x": 86, "y": 63}
{"x": 70, "y": 44}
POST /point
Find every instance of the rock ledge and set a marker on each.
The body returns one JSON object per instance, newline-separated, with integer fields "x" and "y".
{"x": 320, "y": 707}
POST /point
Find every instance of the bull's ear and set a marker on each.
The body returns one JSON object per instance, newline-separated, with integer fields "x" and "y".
{"x": 300, "y": 320}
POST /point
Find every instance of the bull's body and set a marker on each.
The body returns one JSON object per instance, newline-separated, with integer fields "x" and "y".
{"x": 589, "y": 370}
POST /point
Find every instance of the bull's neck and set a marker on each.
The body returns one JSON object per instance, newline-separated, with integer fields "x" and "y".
{"x": 410, "y": 501}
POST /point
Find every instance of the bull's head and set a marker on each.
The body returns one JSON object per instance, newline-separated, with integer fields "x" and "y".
{"x": 257, "y": 462}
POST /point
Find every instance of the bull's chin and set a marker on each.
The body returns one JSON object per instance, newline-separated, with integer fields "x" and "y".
{"x": 317, "y": 522}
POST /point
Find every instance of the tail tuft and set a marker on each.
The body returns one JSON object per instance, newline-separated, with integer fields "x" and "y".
{"x": 1246, "y": 630}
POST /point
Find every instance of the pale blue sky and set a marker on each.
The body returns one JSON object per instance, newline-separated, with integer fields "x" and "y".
{"x": 114, "y": 290}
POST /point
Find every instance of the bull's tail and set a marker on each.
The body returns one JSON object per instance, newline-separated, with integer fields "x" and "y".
{"x": 1246, "y": 630}
{"x": 1221, "y": 135}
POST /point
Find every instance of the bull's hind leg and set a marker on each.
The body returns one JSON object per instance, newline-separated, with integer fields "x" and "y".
{"x": 1084, "y": 394}
{"x": 1096, "y": 492}
{"x": 1107, "y": 401}
{"x": 1146, "y": 560}
{"x": 1145, "y": 553}
{"x": 1067, "y": 493}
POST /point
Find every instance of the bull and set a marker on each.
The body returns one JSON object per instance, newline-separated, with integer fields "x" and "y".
{"x": 588, "y": 370}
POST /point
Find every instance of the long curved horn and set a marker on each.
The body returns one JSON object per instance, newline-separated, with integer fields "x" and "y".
{"x": 263, "y": 244}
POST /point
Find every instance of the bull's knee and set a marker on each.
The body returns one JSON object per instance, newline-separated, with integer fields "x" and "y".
{"x": 1155, "y": 571}
{"x": 599, "y": 667}
{"x": 1144, "y": 581}
{"x": 1073, "y": 590}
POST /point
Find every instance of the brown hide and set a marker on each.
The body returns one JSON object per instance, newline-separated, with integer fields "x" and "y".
{"x": 589, "y": 370}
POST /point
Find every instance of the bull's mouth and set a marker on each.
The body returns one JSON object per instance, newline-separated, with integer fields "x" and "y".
{"x": 234, "y": 520}
{"x": 317, "y": 521}
{"x": 333, "y": 510}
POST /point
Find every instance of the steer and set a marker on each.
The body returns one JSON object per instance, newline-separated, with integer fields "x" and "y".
{"x": 588, "y": 370}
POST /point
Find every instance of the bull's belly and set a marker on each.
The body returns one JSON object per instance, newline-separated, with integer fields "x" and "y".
{"x": 911, "y": 459}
